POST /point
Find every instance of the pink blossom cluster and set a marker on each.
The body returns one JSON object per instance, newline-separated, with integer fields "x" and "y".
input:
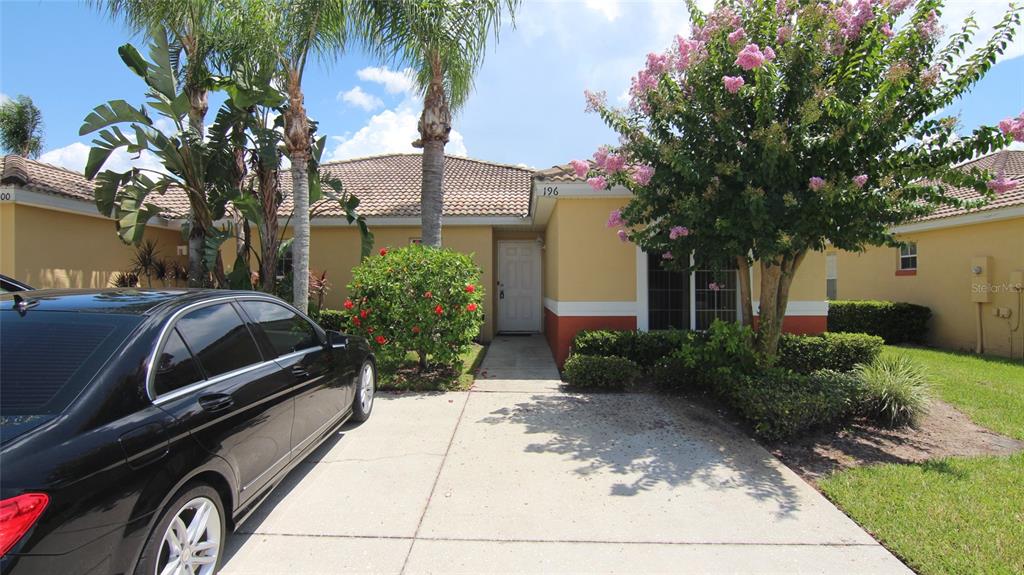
{"x": 733, "y": 83}
{"x": 595, "y": 100}
{"x": 816, "y": 183}
{"x": 581, "y": 167}
{"x": 714, "y": 286}
{"x": 897, "y": 7}
{"x": 737, "y": 35}
{"x": 1013, "y": 127}
{"x": 860, "y": 180}
{"x": 853, "y": 17}
{"x": 657, "y": 64}
{"x": 784, "y": 34}
{"x": 667, "y": 256}
{"x": 887, "y": 30}
{"x": 1002, "y": 184}
{"x": 678, "y": 232}
{"x": 751, "y": 57}
{"x": 781, "y": 7}
{"x": 615, "y": 219}
{"x": 613, "y": 163}
{"x": 689, "y": 52}
{"x": 930, "y": 28}
{"x": 642, "y": 174}
{"x": 931, "y": 75}
{"x": 598, "y": 183}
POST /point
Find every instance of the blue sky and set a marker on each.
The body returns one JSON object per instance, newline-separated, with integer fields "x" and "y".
{"x": 527, "y": 107}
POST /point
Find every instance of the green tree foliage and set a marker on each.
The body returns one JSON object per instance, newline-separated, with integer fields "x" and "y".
{"x": 21, "y": 127}
{"x": 780, "y": 127}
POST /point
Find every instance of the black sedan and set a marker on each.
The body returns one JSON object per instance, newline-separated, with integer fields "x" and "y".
{"x": 137, "y": 427}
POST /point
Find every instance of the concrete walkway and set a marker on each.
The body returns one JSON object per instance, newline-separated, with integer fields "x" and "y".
{"x": 518, "y": 476}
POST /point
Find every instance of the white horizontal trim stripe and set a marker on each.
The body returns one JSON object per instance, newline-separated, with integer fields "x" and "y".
{"x": 801, "y": 308}
{"x": 81, "y": 207}
{"x": 415, "y": 221}
{"x": 996, "y": 215}
{"x": 591, "y": 308}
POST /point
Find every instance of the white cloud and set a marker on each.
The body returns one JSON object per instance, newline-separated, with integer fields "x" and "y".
{"x": 361, "y": 99}
{"x": 610, "y": 9}
{"x": 390, "y": 131}
{"x": 74, "y": 156}
{"x": 394, "y": 81}
{"x": 4, "y": 98}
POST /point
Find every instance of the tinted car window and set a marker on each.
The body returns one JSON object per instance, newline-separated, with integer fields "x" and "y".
{"x": 175, "y": 368}
{"x": 47, "y": 358}
{"x": 219, "y": 339}
{"x": 286, "y": 330}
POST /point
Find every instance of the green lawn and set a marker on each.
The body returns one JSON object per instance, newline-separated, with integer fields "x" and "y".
{"x": 958, "y": 515}
{"x": 405, "y": 377}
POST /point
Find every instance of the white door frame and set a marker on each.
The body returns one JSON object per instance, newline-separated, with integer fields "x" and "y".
{"x": 537, "y": 274}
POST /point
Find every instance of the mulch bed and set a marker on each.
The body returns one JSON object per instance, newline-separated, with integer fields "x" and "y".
{"x": 944, "y": 432}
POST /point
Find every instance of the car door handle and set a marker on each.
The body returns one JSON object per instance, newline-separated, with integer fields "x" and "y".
{"x": 300, "y": 372}
{"x": 216, "y": 402}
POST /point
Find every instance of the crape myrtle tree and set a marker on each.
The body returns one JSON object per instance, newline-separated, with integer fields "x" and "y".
{"x": 781, "y": 127}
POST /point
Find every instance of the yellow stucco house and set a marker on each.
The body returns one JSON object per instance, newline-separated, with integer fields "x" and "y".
{"x": 540, "y": 238}
{"x": 967, "y": 266}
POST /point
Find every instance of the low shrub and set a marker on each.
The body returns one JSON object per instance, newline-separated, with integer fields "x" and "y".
{"x": 779, "y": 403}
{"x": 644, "y": 348}
{"x": 895, "y": 322}
{"x": 896, "y": 390}
{"x": 417, "y": 299}
{"x": 331, "y": 319}
{"x": 835, "y": 351}
{"x": 599, "y": 372}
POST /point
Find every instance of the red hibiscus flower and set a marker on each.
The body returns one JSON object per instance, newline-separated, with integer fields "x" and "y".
{"x": 383, "y": 251}
{"x": 364, "y": 313}
{"x": 471, "y": 307}
{"x": 355, "y": 320}
{"x": 439, "y": 310}
{"x": 470, "y": 288}
{"x": 348, "y": 304}
{"x": 381, "y": 340}
{"x": 369, "y": 330}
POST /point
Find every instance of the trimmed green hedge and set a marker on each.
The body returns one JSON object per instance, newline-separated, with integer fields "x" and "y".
{"x": 644, "y": 348}
{"x": 599, "y": 372}
{"x": 779, "y": 403}
{"x": 895, "y": 322}
{"x": 331, "y": 319}
{"x": 835, "y": 351}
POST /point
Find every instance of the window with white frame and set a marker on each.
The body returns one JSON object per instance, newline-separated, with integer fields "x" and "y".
{"x": 685, "y": 300}
{"x": 908, "y": 256}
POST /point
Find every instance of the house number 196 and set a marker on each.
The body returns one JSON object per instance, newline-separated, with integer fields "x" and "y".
{"x": 550, "y": 190}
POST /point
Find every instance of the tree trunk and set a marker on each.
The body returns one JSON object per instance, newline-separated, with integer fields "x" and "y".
{"x": 300, "y": 228}
{"x": 746, "y": 305}
{"x": 776, "y": 278}
{"x": 434, "y": 126}
{"x": 196, "y": 269}
{"x": 269, "y": 202}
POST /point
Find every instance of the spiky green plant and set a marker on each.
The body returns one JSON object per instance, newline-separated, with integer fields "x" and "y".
{"x": 896, "y": 388}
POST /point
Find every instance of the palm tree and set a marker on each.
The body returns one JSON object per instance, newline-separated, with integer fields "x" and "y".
{"x": 190, "y": 25}
{"x": 444, "y": 41}
{"x": 21, "y": 127}
{"x": 304, "y": 27}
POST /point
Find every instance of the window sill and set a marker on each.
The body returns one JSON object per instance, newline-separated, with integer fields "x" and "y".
{"x": 906, "y": 272}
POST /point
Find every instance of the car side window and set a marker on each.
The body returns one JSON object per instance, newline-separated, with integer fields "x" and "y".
{"x": 175, "y": 368}
{"x": 219, "y": 339}
{"x": 286, "y": 330}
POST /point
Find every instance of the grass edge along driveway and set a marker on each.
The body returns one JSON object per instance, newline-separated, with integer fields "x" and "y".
{"x": 956, "y": 515}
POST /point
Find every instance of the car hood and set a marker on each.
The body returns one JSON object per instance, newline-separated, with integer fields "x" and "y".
{"x": 14, "y": 426}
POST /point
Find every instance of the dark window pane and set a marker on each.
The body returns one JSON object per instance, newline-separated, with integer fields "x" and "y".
{"x": 219, "y": 339}
{"x": 175, "y": 368}
{"x": 668, "y": 296}
{"x": 287, "y": 331}
{"x": 47, "y": 358}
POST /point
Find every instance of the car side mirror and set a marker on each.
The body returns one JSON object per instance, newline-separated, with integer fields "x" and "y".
{"x": 336, "y": 339}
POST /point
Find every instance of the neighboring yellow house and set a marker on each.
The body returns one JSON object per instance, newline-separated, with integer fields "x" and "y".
{"x": 967, "y": 266}
{"x": 550, "y": 263}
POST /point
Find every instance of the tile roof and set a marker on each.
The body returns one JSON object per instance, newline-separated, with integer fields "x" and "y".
{"x": 387, "y": 186}
{"x": 1010, "y": 162}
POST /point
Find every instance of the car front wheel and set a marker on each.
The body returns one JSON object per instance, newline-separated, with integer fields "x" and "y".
{"x": 189, "y": 538}
{"x": 366, "y": 386}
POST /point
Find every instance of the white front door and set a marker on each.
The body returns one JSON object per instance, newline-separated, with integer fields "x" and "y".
{"x": 518, "y": 286}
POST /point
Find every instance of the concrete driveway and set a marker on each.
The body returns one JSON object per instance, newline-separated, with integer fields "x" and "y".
{"x": 517, "y": 476}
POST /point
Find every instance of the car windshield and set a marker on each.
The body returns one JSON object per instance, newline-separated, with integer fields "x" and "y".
{"x": 48, "y": 357}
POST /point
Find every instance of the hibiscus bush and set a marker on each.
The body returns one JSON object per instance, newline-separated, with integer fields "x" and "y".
{"x": 777, "y": 127}
{"x": 416, "y": 299}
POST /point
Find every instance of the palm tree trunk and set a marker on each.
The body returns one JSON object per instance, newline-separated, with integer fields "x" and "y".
{"x": 300, "y": 228}
{"x": 268, "y": 228}
{"x": 196, "y": 243}
{"x": 434, "y": 126}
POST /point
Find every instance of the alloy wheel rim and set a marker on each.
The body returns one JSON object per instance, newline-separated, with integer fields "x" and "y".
{"x": 191, "y": 544}
{"x": 366, "y": 385}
